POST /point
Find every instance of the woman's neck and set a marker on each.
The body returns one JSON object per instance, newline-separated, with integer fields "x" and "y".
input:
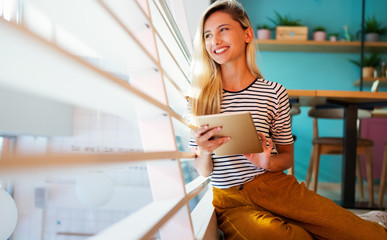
{"x": 236, "y": 77}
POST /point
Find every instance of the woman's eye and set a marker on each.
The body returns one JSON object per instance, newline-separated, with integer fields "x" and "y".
{"x": 207, "y": 35}
{"x": 223, "y": 29}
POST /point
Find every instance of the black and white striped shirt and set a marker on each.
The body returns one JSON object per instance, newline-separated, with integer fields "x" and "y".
{"x": 268, "y": 104}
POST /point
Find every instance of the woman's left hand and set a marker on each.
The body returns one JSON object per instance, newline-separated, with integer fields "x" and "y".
{"x": 261, "y": 160}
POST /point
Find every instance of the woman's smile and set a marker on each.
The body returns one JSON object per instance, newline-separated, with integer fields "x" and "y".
{"x": 221, "y": 50}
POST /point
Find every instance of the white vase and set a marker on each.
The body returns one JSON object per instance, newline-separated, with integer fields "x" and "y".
{"x": 319, "y": 36}
{"x": 372, "y": 37}
{"x": 263, "y": 34}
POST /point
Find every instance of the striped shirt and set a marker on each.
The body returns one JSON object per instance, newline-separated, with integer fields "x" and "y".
{"x": 268, "y": 104}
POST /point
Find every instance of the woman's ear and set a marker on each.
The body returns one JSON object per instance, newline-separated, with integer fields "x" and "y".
{"x": 249, "y": 35}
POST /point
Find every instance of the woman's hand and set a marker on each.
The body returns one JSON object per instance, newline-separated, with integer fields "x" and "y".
{"x": 262, "y": 160}
{"x": 206, "y": 144}
{"x": 204, "y": 139}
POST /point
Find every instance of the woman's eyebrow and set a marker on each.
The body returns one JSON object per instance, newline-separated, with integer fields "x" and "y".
{"x": 220, "y": 26}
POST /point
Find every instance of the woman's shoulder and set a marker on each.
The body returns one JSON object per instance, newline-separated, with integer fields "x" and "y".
{"x": 274, "y": 86}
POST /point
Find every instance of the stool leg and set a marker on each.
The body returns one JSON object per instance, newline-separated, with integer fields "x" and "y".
{"x": 359, "y": 179}
{"x": 383, "y": 176}
{"x": 370, "y": 178}
{"x": 291, "y": 169}
{"x": 310, "y": 167}
{"x": 316, "y": 167}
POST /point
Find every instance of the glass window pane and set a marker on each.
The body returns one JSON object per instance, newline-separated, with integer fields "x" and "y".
{"x": 78, "y": 203}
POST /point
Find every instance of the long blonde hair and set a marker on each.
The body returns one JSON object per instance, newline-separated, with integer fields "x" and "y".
{"x": 206, "y": 87}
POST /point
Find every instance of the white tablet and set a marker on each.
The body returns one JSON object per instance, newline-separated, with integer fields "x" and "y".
{"x": 240, "y": 127}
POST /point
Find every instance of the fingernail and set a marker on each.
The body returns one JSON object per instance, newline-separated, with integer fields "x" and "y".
{"x": 205, "y": 126}
{"x": 219, "y": 128}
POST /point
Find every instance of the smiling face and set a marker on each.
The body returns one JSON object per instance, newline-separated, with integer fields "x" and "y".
{"x": 225, "y": 39}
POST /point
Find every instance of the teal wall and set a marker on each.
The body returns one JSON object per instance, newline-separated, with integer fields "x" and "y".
{"x": 300, "y": 70}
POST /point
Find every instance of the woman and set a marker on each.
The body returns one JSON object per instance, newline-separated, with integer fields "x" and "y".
{"x": 253, "y": 197}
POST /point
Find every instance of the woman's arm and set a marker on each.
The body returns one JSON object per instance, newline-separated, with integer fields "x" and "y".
{"x": 203, "y": 162}
{"x": 273, "y": 163}
{"x": 283, "y": 160}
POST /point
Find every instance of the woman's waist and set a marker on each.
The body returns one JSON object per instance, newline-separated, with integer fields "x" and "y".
{"x": 233, "y": 182}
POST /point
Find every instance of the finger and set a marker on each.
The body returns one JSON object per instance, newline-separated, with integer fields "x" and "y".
{"x": 263, "y": 140}
{"x": 219, "y": 141}
{"x": 214, "y": 144}
{"x": 200, "y": 130}
{"x": 271, "y": 144}
{"x": 207, "y": 140}
{"x": 262, "y": 136}
{"x": 210, "y": 133}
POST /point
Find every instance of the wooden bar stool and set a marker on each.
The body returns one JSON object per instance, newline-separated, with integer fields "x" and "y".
{"x": 334, "y": 145}
{"x": 383, "y": 176}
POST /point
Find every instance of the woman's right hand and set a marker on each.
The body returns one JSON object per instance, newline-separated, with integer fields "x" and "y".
{"x": 205, "y": 141}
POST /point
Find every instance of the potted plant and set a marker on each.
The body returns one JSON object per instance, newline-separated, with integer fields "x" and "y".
{"x": 333, "y": 37}
{"x": 288, "y": 28}
{"x": 369, "y": 64}
{"x": 263, "y": 31}
{"x": 373, "y": 29}
{"x": 319, "y": 34}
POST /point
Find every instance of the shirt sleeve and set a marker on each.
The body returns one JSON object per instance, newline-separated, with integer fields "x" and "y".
{"x": 281, "y": 129}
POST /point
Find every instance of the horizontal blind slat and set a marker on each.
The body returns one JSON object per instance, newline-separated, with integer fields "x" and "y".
{"x": 151, "y": 217}
{"x": 66, "y": 77}
{"x": 38, "y": 161}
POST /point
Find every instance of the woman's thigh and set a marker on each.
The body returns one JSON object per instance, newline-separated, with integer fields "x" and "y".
{"x": 251, "y": 223}
{"x": 281, "y": 194}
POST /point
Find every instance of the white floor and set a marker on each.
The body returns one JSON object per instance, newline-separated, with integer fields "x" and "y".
{"x": 333, "y": 190}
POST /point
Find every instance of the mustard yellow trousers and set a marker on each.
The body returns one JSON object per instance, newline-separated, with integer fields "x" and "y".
{"x": 276, "y": 206}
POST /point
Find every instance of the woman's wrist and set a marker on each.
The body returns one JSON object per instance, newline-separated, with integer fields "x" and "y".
{"x": 201, "y": 152}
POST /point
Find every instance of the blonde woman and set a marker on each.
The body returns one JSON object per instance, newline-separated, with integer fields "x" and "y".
{"x": 253, "y": 197}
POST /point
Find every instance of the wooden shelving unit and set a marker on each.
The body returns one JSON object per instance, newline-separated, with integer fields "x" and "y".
{"x": 368, "y": 81}
{"x": 326, "y": 46}
{"x": 315, "y": 46}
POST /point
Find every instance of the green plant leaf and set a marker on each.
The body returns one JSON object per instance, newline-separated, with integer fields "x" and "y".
{"x": 372, "y": 25}
{"x": 319, "y": 28}
{"x": 264, "y": 26}
{"x": 372, "y": 60}
{"x": 284, "y": 20}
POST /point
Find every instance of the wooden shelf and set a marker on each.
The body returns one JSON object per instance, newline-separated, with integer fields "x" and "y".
{"x": 368, "y": 81}
{"x": 317, "y": 46}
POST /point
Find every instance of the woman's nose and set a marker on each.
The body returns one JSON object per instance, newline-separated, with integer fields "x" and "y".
{"x": 216, "y": 40}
